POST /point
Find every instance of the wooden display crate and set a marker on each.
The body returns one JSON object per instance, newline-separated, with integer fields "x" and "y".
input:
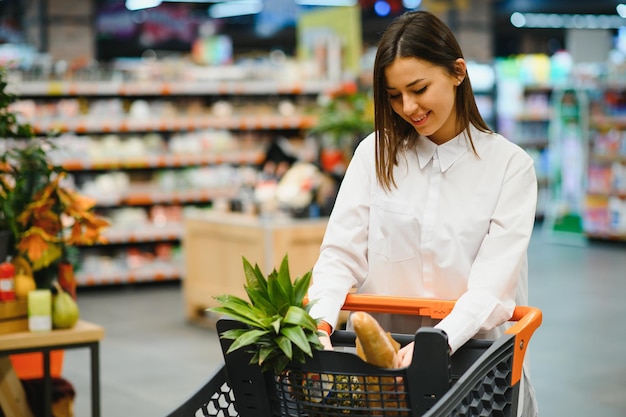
{"x": 13, "y": 316}
{"x": 214, "y": 246}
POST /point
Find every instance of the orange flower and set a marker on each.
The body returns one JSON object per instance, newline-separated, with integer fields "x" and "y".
{"x": 48, "y": 222}
{"x": 35, "y": 242}
{"x": 76, "y": 205}
{"x": 87, "y": 230}
{"x": 50, "y": 188}
{"x": 44, "y": 237}
{"x": 37, "y": 209}
{"x": 5, "y": 167}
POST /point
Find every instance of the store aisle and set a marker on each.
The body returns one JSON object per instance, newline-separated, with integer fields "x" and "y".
{"x": 151, "y": 359}
{"x": 577, "y": 355}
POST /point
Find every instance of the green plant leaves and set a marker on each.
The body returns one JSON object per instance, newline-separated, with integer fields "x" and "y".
{"x": 301, "y": 287}
{"x": 239, "y": 309}
{"x": 284, "y": 281}
{"x": 279, "y": 326}
{"x": 296, "y": 335}
{"x": 254, "y": 277}
{"x": 247, "y": 338}
{"x": 299, "y": 317}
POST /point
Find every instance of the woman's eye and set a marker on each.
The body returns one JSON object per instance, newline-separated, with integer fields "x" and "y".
{"x": 421, "y": 90}
{"x": 394, "y": 96}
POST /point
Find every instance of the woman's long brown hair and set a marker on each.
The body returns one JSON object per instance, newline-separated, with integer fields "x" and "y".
{"x": 424, "y": 36}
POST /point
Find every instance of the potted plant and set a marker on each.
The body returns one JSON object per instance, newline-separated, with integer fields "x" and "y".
{"x": 42, "y": 216}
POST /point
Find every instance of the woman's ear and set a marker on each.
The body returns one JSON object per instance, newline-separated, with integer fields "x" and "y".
{"x": 460, "y": 70}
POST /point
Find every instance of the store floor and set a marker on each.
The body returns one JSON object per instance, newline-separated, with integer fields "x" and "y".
{"x": 152, "y": 359}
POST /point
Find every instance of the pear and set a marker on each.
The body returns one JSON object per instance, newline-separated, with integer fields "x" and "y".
{"x": 23, "y": 285}
{"x": 65, "y": 311}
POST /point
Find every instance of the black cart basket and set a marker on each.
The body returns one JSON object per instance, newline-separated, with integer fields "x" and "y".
{"x": 482, "y": 378}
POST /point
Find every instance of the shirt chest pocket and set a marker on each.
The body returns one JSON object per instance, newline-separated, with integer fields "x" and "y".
{"x": 394, "y": 231}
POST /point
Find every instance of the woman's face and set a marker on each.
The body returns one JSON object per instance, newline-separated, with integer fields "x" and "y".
{"x": 424, "y": 94}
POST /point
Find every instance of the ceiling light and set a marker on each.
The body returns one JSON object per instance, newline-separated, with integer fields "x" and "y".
{"x": 567, "y": 21}
{"x": 382, "y": 8}
{"x": 411, "y": 4}
{"x": 518, "y": 20}
{"x": 326, "y": 2}
{"x": 141, "y": 4}
{"x": 235, "y": 8}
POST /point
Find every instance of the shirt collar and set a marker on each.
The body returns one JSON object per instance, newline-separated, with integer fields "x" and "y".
{"x": 447, "y": 153}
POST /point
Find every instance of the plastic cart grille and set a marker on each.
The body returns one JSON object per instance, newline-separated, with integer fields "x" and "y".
{"x": 490, "y": 398}
{"x": 317, "y": 394}
{"x": 222, "y": 403}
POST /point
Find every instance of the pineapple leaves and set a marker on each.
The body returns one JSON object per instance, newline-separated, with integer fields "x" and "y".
{"x": 298, "y": 317}
{"x": 254, "y": 276}
{"x": 296, "y": 335}
{"x": 277, "y": 295}
{"x": 259, "y": 298}
{"x": 284, "y": 280}
{"x": 263, "y": 354}
{"x": 246, "y": 339}
{"x": 279, "y": 328}
{"x": 300, "y": 287}
{"x": 276, "y": 324}
{"x": 239, "y": 309}
{"x": 284, "y": 343}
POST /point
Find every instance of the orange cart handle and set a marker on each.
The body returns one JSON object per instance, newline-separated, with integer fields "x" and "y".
{"x": 428, "y": 307}
{"x": 527, "y": 319}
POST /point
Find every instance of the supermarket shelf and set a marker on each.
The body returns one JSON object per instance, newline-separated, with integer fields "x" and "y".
{"x": 533, "y": 118}
{"x": 539, "y": 143}
{"x": 83, "y": 125}
{"x": 181, "y": 106}
{"x": 608, "y": 121}
{"x": 604, "y": 158}
{"x": 617, "y": 236}
{"x": 151, "y": 88}
{"x": 606, "y": 193}
{"x": 166, "y": 161}
{"x": 142, "y": 234}
{"x": 156, "y": 196}
{"x": 129, "y": 276}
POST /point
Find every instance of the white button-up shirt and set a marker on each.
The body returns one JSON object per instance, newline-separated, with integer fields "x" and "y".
{"x": 456, "y": 227}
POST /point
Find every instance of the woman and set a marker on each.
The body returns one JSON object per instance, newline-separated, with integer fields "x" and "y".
{"x": 434, "y": 204}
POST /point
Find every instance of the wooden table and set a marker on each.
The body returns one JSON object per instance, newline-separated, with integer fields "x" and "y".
{"x": 82, "y": 335}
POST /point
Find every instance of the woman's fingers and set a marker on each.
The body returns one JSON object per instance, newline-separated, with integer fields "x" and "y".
{"x": 405, "y": 355}
{"x": 325, "y": 341}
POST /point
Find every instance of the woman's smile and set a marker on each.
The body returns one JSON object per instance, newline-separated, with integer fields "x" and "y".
{"x": 420, "y": 120}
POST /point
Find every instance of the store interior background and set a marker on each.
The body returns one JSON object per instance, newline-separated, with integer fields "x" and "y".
{"x": 125, "y": 87}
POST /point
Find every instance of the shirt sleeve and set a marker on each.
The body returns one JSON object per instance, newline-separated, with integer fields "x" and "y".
{"x": 342, "y": 263}
{"x": 492, "y": 285}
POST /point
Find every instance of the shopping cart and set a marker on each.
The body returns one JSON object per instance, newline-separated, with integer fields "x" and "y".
{"x": 482, "y": 378}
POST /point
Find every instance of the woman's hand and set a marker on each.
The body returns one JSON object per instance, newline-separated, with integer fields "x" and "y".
{"x": 325, "y": 341}
{"x": 405, "y": 355}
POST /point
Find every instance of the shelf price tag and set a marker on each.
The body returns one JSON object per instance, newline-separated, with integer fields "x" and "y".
{"x": 55, "y": 88}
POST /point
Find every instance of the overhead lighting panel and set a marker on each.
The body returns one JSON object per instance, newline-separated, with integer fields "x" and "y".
{"x": 235, "y": 8}
{"x": 567, "y": 21}
{"x": 330, "y": 3}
